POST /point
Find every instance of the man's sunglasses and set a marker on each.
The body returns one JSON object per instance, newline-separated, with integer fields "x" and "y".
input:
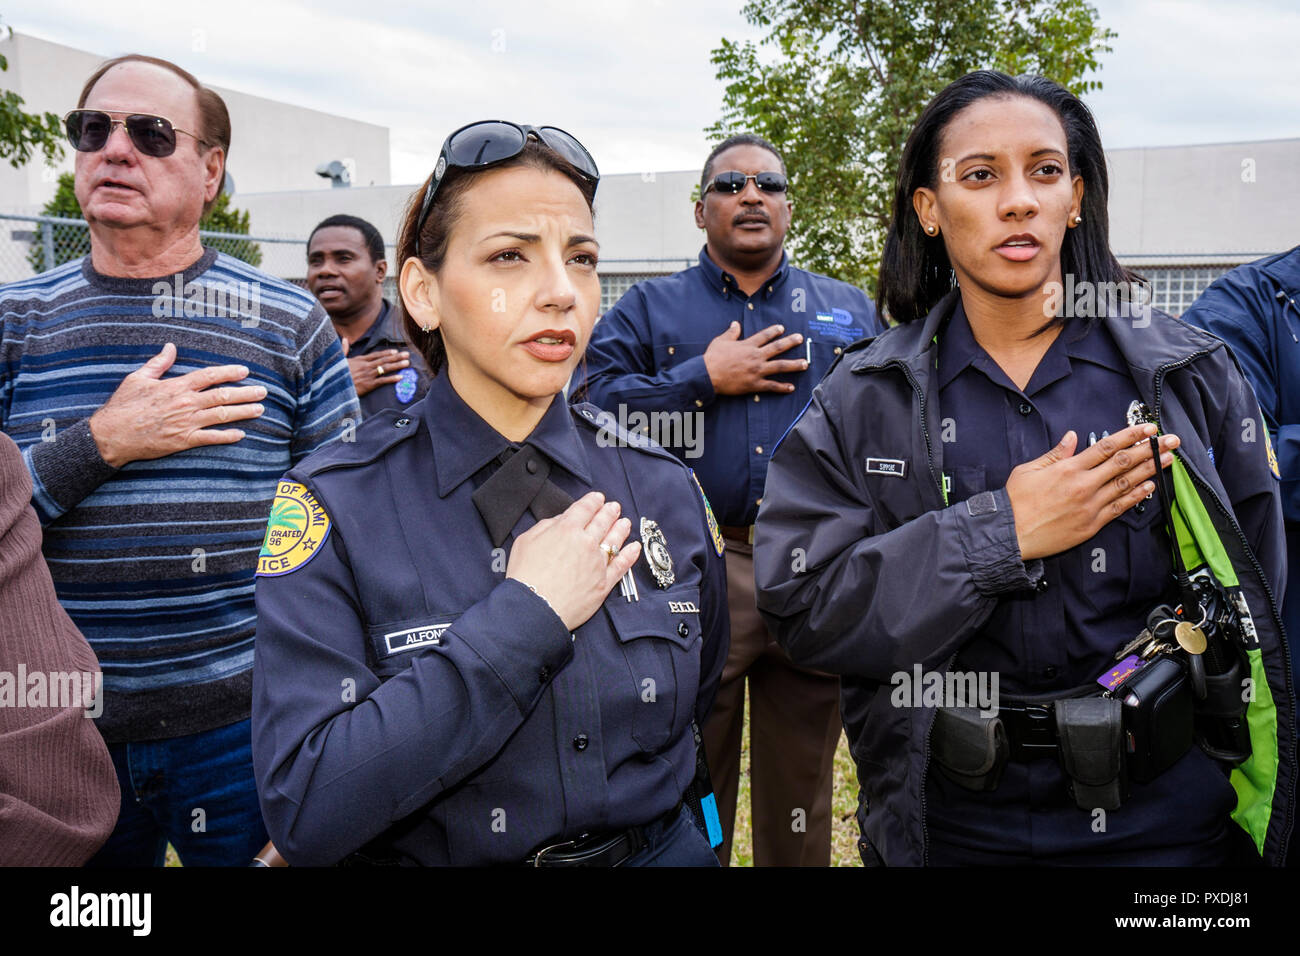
{"x": 489, "y": 142}
{"x": 89, "y": 130}
{"x": 734, "y": 182}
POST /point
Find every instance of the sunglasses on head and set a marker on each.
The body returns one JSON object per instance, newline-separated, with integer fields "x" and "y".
{"x": 489, "y": 142}
{"x": 734, "y": 182}
{"x": 88, "y": 132}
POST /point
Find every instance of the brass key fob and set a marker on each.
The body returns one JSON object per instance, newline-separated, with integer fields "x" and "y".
{"x": 1190, "y": 637}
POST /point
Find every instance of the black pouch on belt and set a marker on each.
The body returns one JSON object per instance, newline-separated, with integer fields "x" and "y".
{"x": 1090, "y": 733}
{"x": 970, "y": 749}
{"x": 1157, "y": 716}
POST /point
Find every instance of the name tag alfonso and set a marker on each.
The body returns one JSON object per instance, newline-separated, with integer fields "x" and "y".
{"x": 895, "y": 467}
{"x": 415, "y": 637}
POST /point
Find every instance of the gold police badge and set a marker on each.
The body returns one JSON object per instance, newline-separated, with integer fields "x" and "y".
{"x": 656, "y": 553}
{"x": 298, "y": 526}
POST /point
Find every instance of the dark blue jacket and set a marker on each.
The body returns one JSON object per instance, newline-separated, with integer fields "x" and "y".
{"x": 407, "y": 696}
{"x": 647, "y": 355}
{"x": 866, "y": 573}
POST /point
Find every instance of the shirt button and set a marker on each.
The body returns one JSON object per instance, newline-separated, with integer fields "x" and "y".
{"x": 672, "y": 349}
{"x": 401, "y": 423}
{"x": 750, "y": 306}
{"x": 838, "y": 350}
{"x": 580, "y": 742}
{"x": 1026, "y": 408}
{"x": 758, "y": 449}
{"x": 699, "y": 403}
{"x": 543, "y": 675}
{"x": 755, "y": 398}
{"x": 1041, "y": 586}
{"x": 531, "y": 466}
{"x": 683, "y": 630}
{"x": 1049, "y": 671}
{"x": 1140, "y": 507}
{"x": 759, "y": 501}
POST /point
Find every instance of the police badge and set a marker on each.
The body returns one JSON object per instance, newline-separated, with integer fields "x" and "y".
{"x": 656, "y": 553}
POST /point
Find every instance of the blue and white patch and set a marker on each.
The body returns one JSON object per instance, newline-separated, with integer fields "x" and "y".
{"x": 413, "y": 638}
{"x": 836, "y": 324}
{"x": 406, "y": 385}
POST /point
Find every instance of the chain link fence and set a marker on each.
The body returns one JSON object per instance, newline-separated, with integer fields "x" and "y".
{"x": 30, "y": 245}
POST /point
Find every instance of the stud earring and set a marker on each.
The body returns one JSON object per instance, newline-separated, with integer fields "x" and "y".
{"x": 1078, "y": 219}
{"x": 932, "y": 229}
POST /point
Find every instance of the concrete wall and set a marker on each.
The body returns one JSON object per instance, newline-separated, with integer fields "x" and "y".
{"x": 1188, "y": 202}
{"x": 274, "y": 146}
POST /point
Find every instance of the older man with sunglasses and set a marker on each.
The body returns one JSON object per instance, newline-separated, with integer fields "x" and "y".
{"x": 158, "y": 390}
{"x": 735, "y": 346}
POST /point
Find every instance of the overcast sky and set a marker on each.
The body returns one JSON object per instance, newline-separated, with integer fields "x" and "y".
{"x": 632, "y": 78}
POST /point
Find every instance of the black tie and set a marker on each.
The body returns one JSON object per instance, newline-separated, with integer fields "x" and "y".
{"x": 522, "y": 482}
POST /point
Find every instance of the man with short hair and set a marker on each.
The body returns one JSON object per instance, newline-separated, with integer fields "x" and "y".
{"x": 158, "y": 391}
{"x": 346, "y": 266}
{"x": 738, "y": 342}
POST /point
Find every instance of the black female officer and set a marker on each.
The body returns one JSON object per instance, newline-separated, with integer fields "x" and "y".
{"x": 487, "y": 627}
{"x": 961, "y": 515}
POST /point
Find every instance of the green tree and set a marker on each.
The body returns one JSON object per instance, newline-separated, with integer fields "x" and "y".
{"x": 837, "y": 84}
{"x": 73, "y": 242}
{"x": 22, "y": 133}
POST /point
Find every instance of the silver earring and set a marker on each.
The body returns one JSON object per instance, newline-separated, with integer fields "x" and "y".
{"x": 1078, "y": 219}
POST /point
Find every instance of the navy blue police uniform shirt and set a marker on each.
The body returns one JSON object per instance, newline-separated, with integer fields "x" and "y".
{"x": 1090, "y": 601}
{"x": 409, "y": 697}
{"x": 385, "y": 333}
{"x": 647, "y": 356}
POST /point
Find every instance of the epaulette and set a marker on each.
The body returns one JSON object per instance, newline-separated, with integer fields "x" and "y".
{"x": 372, "y": 440}
{"x": 610, "y": 432}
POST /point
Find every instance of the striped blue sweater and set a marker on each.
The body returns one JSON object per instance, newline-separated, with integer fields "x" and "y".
{"x": 155, "y": 561}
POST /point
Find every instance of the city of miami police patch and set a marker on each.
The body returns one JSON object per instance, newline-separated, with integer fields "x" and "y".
{"x": 714, "y": 532}
{"x": 297, "y": 528}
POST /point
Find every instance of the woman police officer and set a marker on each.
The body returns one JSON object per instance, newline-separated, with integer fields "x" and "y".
{"x": 445, "y": 672}
{"x": 964, "y": 499}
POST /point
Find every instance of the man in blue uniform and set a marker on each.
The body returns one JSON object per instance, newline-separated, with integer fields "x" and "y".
{"x": 715, "y": 362}
{"x": 447, "y": 715}
{"x": 346, "y": 267}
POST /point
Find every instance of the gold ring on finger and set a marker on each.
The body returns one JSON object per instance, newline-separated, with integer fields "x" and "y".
{"x": 379, "y": 371}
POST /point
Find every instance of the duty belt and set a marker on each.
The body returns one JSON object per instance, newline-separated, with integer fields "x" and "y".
{"x": 601, "y": 850}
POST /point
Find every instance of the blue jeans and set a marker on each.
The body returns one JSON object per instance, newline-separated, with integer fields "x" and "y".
{"x": 196, "y": 792}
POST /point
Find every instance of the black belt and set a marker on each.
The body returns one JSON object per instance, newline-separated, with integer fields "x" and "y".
{"x": 601, "y": 851}
{"x": 1031, "y": 724}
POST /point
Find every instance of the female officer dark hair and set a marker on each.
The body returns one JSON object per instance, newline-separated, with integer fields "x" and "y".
{"x": 432, "y": 239}
{"x": 914, "y": 269}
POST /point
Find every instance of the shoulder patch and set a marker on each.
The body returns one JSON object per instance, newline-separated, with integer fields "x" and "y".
{"x": 295, "y": 531}
{"x": 714, "y": 532}
{"x": 1268, "y": 446}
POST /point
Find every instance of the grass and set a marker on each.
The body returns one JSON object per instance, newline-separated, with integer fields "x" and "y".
{"x": 844, "y": 803}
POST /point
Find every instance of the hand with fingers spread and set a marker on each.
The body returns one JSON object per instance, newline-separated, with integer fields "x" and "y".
{"x": 371, "y": 371}
{"x": 574, "y": 559}
{"x": 739, "y": 366}
{"x": 151, "y": 417}
{"x": 1063, "y": 499}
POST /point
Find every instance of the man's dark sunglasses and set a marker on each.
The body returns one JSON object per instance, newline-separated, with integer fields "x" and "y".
{"x": 89, "y": 130}
{"x": 734, "y": 182}
{"x": 489, "y": 142}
